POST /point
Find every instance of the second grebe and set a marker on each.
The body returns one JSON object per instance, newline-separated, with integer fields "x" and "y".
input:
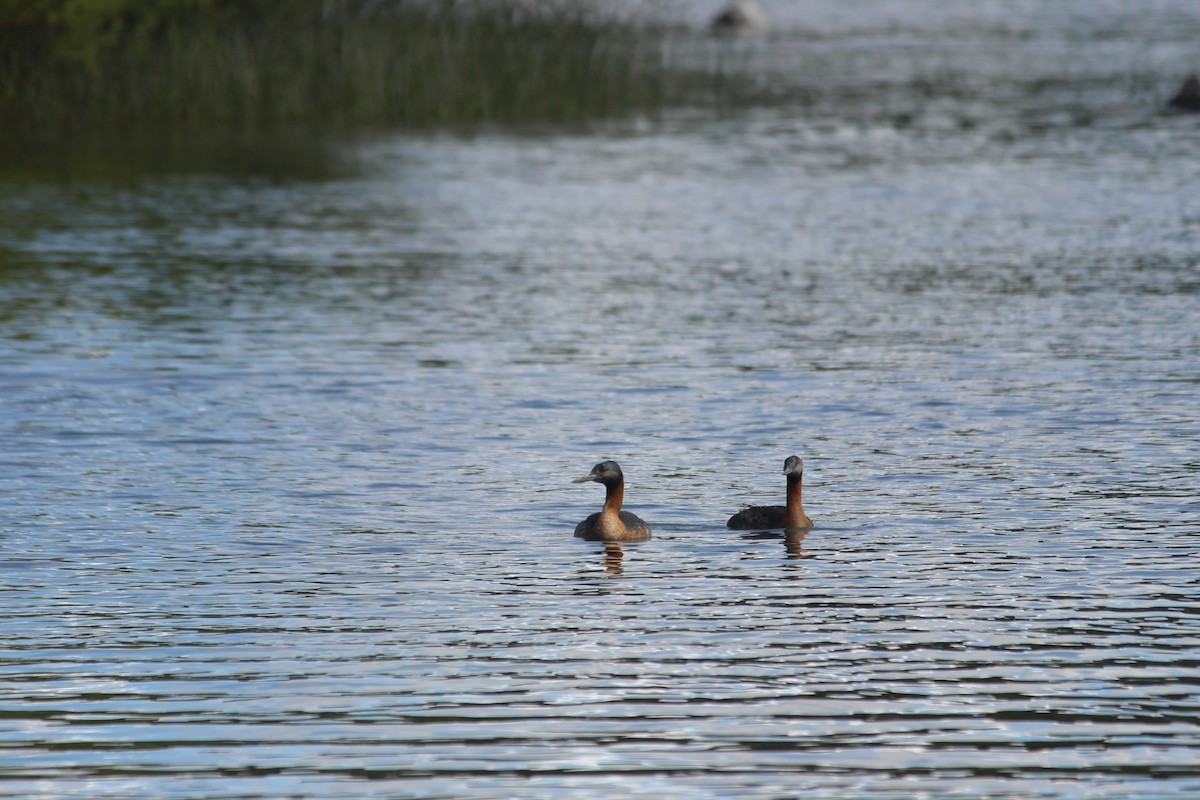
{"x": 792, "y": 515}
{"x": 611, "y": 523}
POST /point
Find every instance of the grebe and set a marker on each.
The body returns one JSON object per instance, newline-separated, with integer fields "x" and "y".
{"x": 611, "y": 523}
{"x": 790, "y": 516}
{"x": 740, "y": 16}
{"x": 1188, "y": 96}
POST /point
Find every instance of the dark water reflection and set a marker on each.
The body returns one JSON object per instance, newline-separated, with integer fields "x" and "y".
{"x": 286, "y": 463}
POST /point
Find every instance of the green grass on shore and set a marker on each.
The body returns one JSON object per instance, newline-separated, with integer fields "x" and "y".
{"x": 115, "y": 66}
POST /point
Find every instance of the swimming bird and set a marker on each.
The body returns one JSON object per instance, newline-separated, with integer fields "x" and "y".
{"x": 1188, "y": 96}
{"x": 791, "y": 516}
{"x": 740, "y": 16}
{"x": 611, "y": 523}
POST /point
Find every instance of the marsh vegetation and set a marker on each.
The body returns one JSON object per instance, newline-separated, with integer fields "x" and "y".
{"x": 70, "y": 66}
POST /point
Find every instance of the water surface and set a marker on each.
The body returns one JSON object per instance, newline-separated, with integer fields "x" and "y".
{"x": 287, "y": 457}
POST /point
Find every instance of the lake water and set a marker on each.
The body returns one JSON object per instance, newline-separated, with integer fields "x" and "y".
{"x": 287, "y": 455}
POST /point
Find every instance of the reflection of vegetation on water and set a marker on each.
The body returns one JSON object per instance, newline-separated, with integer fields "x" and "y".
{"x": 115, "y": 65}
{"x": 120, "y": 156}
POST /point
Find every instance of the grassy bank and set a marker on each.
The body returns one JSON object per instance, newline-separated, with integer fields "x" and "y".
{"x": 114, "y": 66}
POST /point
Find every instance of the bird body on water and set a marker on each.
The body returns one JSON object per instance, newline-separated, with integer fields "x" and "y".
{"x": 611, "y": 524}
{"x": 790, "y": 516}
{"x": 740, "y": 16}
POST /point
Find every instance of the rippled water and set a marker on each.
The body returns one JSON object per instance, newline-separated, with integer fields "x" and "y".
{"x": 287, "y": 461}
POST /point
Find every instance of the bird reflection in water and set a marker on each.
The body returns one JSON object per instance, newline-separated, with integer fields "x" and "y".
{"x": 793, "y": 540}
{"x": 612, "y": 560}
{"x": 614, "y": 557}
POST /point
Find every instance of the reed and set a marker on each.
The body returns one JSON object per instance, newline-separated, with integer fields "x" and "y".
{"x": 70, "y": 66}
